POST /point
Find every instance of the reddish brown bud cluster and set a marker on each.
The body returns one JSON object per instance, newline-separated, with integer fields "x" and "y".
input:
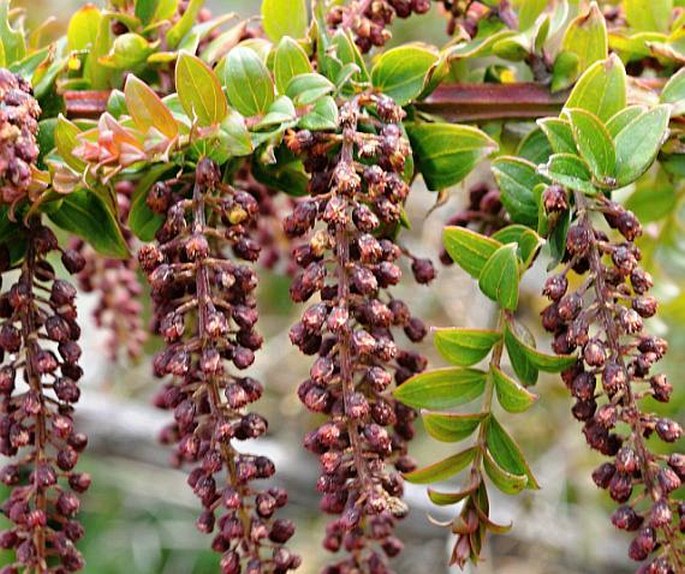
{"x": 19, "y": 113}
{"x": 38, "y": 387}
{"x": 604, "y": 320}
{"x": 350, "y": 264}
{"x": 205, "y": 311}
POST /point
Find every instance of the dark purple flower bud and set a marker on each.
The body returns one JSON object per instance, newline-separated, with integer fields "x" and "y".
{"x": 626, "y": 518}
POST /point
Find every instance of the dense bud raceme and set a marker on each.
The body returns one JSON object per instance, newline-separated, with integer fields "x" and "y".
{"x": 348, "y": 262}
{"x": 604, "y": 319}
{"x": 205, "y": 312}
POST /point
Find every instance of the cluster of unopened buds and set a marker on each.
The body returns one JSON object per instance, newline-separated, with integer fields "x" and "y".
{"x": 38, "y": 386}
{"x": 604, "y": 319}
{"x": 205, "y": 311}
{"x": 349, "y": 261}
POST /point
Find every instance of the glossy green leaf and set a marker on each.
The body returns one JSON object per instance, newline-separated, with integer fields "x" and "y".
{"x": 99, "y": 75}
{"x": 184, "y": 24}
{"x": 674, "y": 93}
{"x": 401, "y": 72}
{"x": 442, "y": 470}
{"x": 307, "y": 88}
{"x": 282, "y": 110}
{"x": 290, "y": 60}
{"x": 535, "y": 147}
{"x": 499, "y": 279}
{"x": 146, "y": 108}
{"x": 451, "y": 427}
{"x": 652, "y": 16}
{"x": 142, "y": 221}
{"x": 324, "y": 116}
{"x": 199, "y": 90}
{"x": 623, "y": 118}
{"x": 528, "y": 241}
{"x": 234, "y": 136}
{"x": 601, "y": 90}
{"x": 284, "y": 18}
{"x": 565, "y": 71}
{"x": 446, "y": 153}
{"x": 507, "y": 482}
{"x": 516, "y": 179}
{"x": 12, "y": 40}
{"x": 543, "y": 361}
{"x": 248, "y": 83}
{"x": 594, "y": 144}
{"x": 525, "y": 370}
{"x": 442, "y": 388}
{"x": 85, "y": 214}
{"x": 559, "y": 134}
{"x": 530, "y": 10}
{"x": 586, "y": 36}
{"x": 570, "y": 171}
{"x": 66, "y": 140}
{"x": 506, "y": 453}
{"x": 347, "y": 52}
{"x": 469, "y": 249}
{"x": 637, "y": 144}
{"x": 513, "y": 397}
{"x": 465, "y": 347}
{"x": 83, "y": 28}
{"x": 128, "y": 51}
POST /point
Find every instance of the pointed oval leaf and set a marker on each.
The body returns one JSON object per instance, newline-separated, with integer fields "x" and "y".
{"x": 534, "y": 147}
{"x": 451, "y": 427}
{"x": 469, "y": 249}
{"x": 146, "y": 108}
{"x": 570, "y": 171}
{"x": 516, "y": 179}
{"x": 542, "y": 361}
{"x": 506, "y": 453}
{"x": 523, "y": 367}
{"x": 507, "y": 482}
{"x": 324, "y": 116}
{"x": 447, "y": 498}
{"x": 674, "y": 93}
{"x": 305, "y": 89}
{"x": 400, "y": 72}
{"x": 446, "y": 153}
{"x": 66, "y": 140}
{"x": 528, "y": 241}
{"x": 637, "y": 144}
{"x": 601, "y": 90}
{"x": 284, "y": 18}
{"x": 442, "y": 388}
{"x": 621, "y": 119}
{"x": 442, "y": 470}
{"x": 559, "y": 134}
{"x": 499, "y": 279}
{"x": 248, "y": 83}
{"x": 184, "y": 24}
{"x": 586, "y": 36}
{"x": 513, "y": 397}
{"x": 290, "y": 60}
{"x": 594, "y": 144}
{"x": 199, "y": 90}
{"x": 465, "y": 347}
{"x": 83, "y": 28}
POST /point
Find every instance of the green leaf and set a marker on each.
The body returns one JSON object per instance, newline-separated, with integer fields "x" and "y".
{"x": 146, "y": 108}
{"x": 516, "y": 179}
{"x": 570, "y": 171}
{"x": 594, "y": 144}
{"x": 513, "y": 397}
{"x": 199, "y": 90}
{"x": 586, "y": 37}
{"x": 601, "y": 90}
{"x": 653, "y": 200}
{"x": 347, "y": 52}
{"x": 451, "y": 427}
{"x": 506, "y": 453}
{"x": 565, "y": 71}
{"x": 12, "y": 40}
{"x": 449, "y": 498}
{"x": 442, "y": 470}
{"x": 83, "y": 28}
{"x": 290, "y": 60}
{"x": 543, "y": 361}
{"x": 513, "y": 341}
{"x": 507, "y": 482}
{"x": 184, "y": 23}
{"x": 281, "y": 111}
{"x": 284, "y": 18}
{"x": 234, "y": 136}
{"x": 248, "y": 83}
{"x": 305, "y": 89}
{"x": 530, "y": 10}
{"x": 465, "y": 347}
{"x": 324, "y": 116}
{"x": 528, "y": 241}
{"x": 442, "y": 388}
{"x": 66, "y": 140}
{"x": 535, "y": 147}
{"x": 499, "y": 279}
{"x": 401, "y": 72}
{"x": 98, "y": 74}
{"x": 468, "y": 249}
{"x": 446, "y": 153}
{"x": 286, "y": 174}
{"x": 674, "y": 93}
{"x": 637, "y": 144}
{"x": 142, "y": 221}
{"x": 85, "y": 214}
{"x": 621, "y": 119}
{"x": 559, "y": 134}
{"x": 652, "y": 16}
{"x": 128, "y": 51}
